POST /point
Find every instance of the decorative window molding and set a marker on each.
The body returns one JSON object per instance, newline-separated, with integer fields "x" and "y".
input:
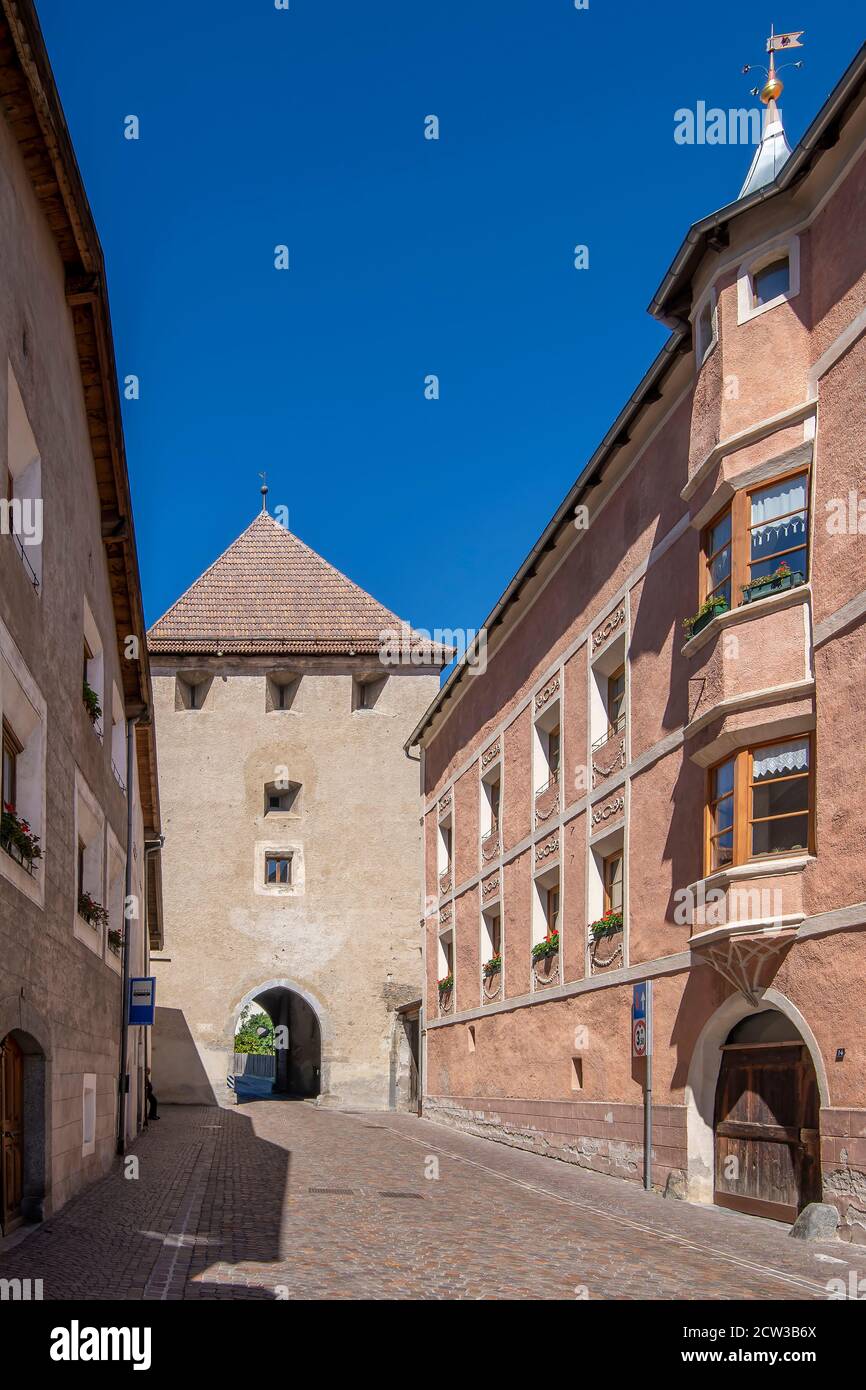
{"x": 89, "y": 866}
{"x": 747, "y": 307}
{"x": 23, "y": 494}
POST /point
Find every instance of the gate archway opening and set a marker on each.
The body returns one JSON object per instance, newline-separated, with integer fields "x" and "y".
{"x": 294, "y": 1068}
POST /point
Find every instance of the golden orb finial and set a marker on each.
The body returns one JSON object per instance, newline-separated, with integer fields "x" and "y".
{"x": 772, "y": 89}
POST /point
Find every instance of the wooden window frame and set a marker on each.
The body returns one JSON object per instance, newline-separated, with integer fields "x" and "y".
{"x": 554, "y": 733}
{"x": 617, "y": 725}
{"x": 13, "y": 748}
{"x": 743, "y": 760}
{"x": 740, "y": 509}
{"x": 279, "y": 857}
{"x": 607, "y": 880}
{"x": 550, "y": 917}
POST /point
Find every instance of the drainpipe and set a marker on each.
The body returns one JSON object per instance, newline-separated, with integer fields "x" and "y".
{"x": 122, "y": 1091}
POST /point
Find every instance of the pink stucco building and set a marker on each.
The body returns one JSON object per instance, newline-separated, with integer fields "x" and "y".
{"x": 617, "y": 798}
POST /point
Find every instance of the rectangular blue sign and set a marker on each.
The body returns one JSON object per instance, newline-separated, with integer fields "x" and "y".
{"x": 142, "y": 999}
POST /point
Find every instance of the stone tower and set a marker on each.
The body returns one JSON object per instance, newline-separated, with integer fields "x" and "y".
{"x": 291, "y": 821}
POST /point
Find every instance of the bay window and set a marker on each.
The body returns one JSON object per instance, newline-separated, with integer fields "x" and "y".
{"x": 759, "y": 803}
{"x": 760, "y": 539}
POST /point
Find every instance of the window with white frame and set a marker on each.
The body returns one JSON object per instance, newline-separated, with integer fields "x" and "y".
{"x": 546, "y": 905}
{"x": 547, "y": 748}
{"x": 116, "y": 898}
{"x": 491, "y": 809}
{"x": 607, "y": 694}
{"x": 491, "y": 933}
{"x": 770, "y": 279}
{"x": 606, "y": 881}
{"x": 446, "y": 956}
{"x": 444, "y": 852}
{"x": 93, "y": 671}
{"x": 22, "y": 720}
{"x": 91, "y": 912}
{"x": 118, "y": 738}
{"x": 21, "y": 500}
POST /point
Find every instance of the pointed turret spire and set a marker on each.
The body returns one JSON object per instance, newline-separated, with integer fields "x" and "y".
{"x": 773, "y": 149}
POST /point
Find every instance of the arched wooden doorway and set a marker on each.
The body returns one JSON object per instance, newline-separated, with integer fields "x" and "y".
{"x": 11, "y": 1132}
{"x": 767, "y": 1151}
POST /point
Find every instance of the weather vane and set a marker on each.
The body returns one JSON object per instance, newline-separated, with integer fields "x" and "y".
{"x": 776, "y": 43}
{"x": 264, "y": 491}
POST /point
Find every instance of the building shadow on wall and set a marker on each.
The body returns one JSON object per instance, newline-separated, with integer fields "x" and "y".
{"x": 178, "y": 1074}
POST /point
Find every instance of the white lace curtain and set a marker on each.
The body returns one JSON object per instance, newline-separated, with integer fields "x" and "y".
{"x": 781, "y": 758}
{"x": 776, "y": 501}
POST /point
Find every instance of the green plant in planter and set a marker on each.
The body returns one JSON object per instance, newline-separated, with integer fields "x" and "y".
{"x": 782, "y": 578}
{"x": 446, "y": 983}
{"x": 705, "y": 614}
{"x": 115, "y": 938}
{"x": 608, "y": 925}
{"x": 92, "y": 911}
{"x": 492, "y": 966}
{"x": 16, "y": 832}
{"x": 91, "y": 703}
{"x": 548, "y": 947}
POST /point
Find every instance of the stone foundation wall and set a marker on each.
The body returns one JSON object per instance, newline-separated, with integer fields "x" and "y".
{"x": 607, "y": 1138}
{"x": 843, "y": 1166}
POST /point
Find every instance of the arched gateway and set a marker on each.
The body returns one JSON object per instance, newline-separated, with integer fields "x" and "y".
{"x": 297, "y": 1069}
{"x": 756, "y": 1086}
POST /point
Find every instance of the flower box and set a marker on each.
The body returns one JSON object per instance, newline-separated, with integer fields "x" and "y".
{"x": 94, "y": 914}
{"x": 704, "y": 615}
{"x": 115, "y": 940}
{"x": 493, "y": 966}
{"x": 548, "y": 947}
{"x": 608, "y": 925}
{"x": 776, "y": 583}
{"x": 17, "y": 839}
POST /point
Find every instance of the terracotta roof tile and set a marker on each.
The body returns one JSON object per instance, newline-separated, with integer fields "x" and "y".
{"x": 269, "y": 593}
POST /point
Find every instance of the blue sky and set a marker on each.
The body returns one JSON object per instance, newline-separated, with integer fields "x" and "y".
{"x": 408, "y": 256}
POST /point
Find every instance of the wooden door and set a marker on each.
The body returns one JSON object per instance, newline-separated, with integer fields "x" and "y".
{"x": 11, "y": 1131}
{"x": 766, "y": 1130}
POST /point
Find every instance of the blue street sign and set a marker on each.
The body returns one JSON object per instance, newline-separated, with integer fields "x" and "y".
{"x": 142, "y": 999}
{"x": 641, "y": 1020}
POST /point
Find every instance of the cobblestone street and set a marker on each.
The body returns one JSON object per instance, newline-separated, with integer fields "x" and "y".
{"x": 284, "y": 1200}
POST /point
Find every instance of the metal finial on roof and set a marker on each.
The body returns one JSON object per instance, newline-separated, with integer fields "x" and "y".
{"x": 773, "y": 149}
{"x": 264, "y": 491}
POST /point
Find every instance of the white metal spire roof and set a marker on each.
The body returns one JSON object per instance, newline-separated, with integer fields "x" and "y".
{"x": 772, "y": 152}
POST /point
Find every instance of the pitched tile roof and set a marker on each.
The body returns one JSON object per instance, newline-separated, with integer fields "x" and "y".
{"x": 269, "y": 593}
